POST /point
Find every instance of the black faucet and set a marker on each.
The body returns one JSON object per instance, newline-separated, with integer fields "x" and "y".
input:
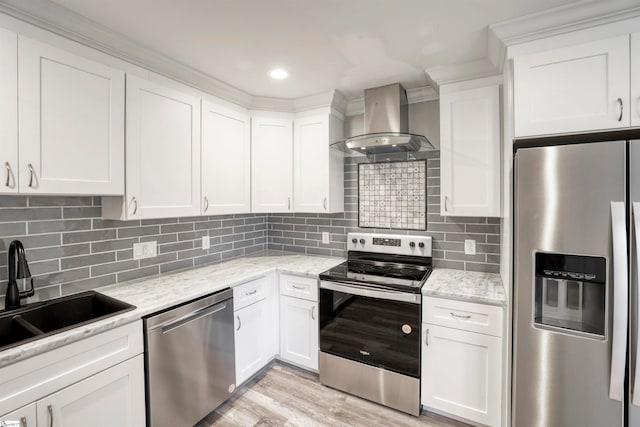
{"x": 13, "y": 296}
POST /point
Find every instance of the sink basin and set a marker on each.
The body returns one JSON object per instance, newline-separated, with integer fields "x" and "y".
{"x": 38, "y": 320}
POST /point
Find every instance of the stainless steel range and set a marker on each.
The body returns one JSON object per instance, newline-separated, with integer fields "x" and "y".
{"x": 370, "y": 319}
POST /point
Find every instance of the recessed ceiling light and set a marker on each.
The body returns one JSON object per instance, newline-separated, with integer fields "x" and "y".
{"x": 278, "y": 74}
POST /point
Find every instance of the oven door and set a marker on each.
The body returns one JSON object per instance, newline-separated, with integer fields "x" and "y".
{"x": 375, "y": 326}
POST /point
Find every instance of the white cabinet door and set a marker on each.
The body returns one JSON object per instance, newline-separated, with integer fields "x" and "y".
{"x": 318, "y": 171}
{"x": 23, "y": 417}
{"x": 635, "y": 79}
{"x": 470, "y": 152}
{"x": 114, "y": 397}
{"x": 163, "y": 151}
{"x": 311, "y": 164}
{"x": 271, "y": 165}
{"x": 71, "y": 123}
{"x": 299, "y": 331}
{"x": 226, "y": 160}
{"x": 250, "y": 340}
{"x": 9, "y": 111}
{"x": 461, "y": 374}
{"x": 573, "y": 89}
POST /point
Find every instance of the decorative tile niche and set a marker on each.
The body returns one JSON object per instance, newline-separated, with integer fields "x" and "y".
{"x": 393, "y": 195}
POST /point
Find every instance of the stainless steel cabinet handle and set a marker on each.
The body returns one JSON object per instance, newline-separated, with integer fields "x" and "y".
{"x": 23, "y": 422}
{"x": 8, "y": 167}
{"x": 253, "y": 292}
{"x": 135, "y": 205}
{"x": 313, "y": 309}
{"x": 426, "y": 338}
{"x": 50, "y": 409}
{"x": 31, "y": 174}
{"x": 239, "y": 323}
{"x": 324, "y": 203}
{"x": 288, "y": 203}
{"x": 298, "y": 287}
{"x": 446, "y": 203}
{"x": 621, "y": 106}
{"x": 206, "y": 204}
{"x": 459, "y": 316}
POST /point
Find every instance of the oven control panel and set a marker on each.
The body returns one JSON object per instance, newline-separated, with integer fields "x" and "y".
{"x": 383, "y": 241}
{"x": 398, "y": 244}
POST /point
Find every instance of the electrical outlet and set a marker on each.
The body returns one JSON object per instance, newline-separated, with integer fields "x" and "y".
{"x": 470, "y": 247}
{"x": 145, "y": 250}
{"x": 206, "y": 242}
{"x": 325, "y": 237}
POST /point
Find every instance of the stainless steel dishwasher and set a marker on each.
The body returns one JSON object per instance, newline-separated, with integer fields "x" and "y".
{"x": 190, "y": 360}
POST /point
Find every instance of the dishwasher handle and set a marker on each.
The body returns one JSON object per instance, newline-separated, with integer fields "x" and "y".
{"x": 173, "y": 324}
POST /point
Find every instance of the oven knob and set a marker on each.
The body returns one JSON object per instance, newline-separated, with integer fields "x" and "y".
{"x": 362, "y": 241}
{"x": 412, "y": 244}
{"x": 421, "y": 244}
{"x": 354, "y": 241}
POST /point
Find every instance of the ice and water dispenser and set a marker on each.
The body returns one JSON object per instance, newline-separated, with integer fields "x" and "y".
{"x": 570, "y": 294}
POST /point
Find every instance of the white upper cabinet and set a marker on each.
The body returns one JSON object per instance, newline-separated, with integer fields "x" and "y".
{"x": 573, "y": 89}
{"x": 470, "y": 151}
{"x": 71, "y": 122}
{"x": 226, "y": 160}
{"x": 272, "y": 164}
{"x": 318, "y": 178}
{"x": 635, "y": 79}
{"x": 9, "y": 111}
{"x": 163, "y": 154}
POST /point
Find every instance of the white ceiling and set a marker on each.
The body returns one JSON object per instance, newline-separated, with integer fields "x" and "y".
{"x": 347, "y": 45}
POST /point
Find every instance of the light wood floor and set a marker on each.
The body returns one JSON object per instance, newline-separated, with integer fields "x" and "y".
{"x": 287, "y": 396}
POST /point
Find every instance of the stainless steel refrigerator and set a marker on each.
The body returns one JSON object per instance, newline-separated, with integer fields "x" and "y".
{"x": 575, "y": 312}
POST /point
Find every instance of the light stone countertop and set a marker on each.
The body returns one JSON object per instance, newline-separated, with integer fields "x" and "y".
{"x": 152, "y": 294}
{"x": 484, "y": 288}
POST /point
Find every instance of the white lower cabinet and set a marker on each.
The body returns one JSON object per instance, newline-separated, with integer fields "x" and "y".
{"x": 299, "y": 331}
{"x": 23, "y": 417}
{"x": 256, "y": 325}
{"x": 462, "y": 368}
{"x": 114, "y": 397}
{"x": 250, "y": 340}
{"x": 97, "y": 382}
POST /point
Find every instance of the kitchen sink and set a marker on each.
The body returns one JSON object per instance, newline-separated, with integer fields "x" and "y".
{"x": 42, "y": 319}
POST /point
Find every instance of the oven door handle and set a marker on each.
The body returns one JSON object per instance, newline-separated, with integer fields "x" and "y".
{"x": 367, "y": 291}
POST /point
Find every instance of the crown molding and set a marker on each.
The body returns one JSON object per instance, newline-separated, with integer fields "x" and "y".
{"x": 455, "y": 73}
{"x": 415, "y": 95}
{"x": 564, "y": 19}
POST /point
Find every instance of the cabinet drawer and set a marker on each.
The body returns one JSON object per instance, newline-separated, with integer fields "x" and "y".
{"x": 299, "y": 287}
{"x": 484, "y": 319}
{"x": 248, "y": 293}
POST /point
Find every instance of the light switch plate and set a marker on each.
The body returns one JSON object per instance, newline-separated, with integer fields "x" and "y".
{"x": 206, "y": 242}
{"x": 470, "y": 247}
{"x": 325, "y": 237}
{"x": 145, "y": 250}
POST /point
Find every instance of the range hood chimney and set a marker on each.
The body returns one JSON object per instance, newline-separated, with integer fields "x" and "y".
{"x": 386, "y": 125}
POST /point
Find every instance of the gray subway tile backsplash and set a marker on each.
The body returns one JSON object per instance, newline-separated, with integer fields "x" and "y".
{"x": 448, "y": 233}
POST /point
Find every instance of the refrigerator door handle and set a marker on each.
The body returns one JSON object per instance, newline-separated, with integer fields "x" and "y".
{"x": 636, "y": 232}
{"x": 620, "y": 301}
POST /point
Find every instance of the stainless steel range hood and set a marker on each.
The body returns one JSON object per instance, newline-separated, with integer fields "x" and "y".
{"x": 386, "y": 125}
